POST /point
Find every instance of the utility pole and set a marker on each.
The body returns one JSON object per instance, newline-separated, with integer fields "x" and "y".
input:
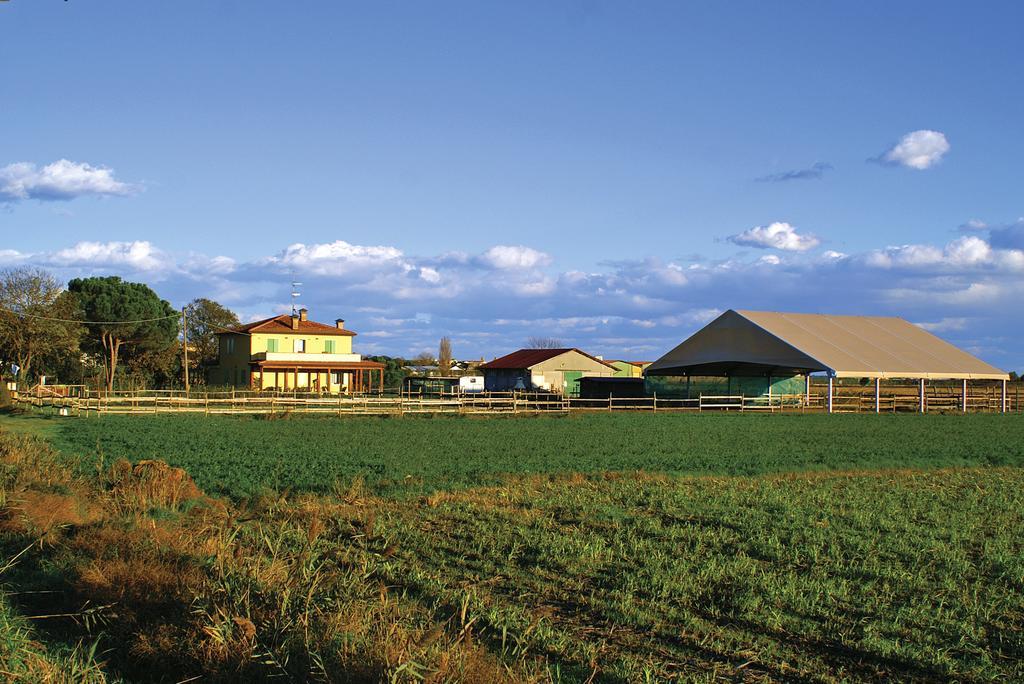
{"x": 184, "y": 345}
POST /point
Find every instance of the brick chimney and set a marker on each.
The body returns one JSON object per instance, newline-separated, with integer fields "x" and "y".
{"x": 303, "y": 314}
{"x": 340, "y": 322}
{"x": 295, "y": 322}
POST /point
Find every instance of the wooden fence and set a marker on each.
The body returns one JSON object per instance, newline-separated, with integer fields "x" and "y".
{"x": 846, "y": 399}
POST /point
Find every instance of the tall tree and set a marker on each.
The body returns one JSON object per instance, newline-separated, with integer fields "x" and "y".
{"x": 444, "y": 356}
{"x": 204, "y": 318}
{"x": 544, "y": 343}
{"x": 120, "y": 314}
{"x": 35, "y": 311}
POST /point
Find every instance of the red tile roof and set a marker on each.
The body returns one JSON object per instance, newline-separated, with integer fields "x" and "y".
{"x": 282, "y": 325}
{"x": 525, "y": 358}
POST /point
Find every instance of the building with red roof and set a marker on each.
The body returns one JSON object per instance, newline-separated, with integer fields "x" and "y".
{"x": 554, "y": 370}
{"x": 293, "y": 353}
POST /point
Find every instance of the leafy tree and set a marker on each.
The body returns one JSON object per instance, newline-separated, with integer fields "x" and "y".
{"x": 394, "y": 369}
{"x": 204, "y": 318}
{"x": 444, "y": 356}
{"x": 153, "y": 366}
{"x": 123, "y": 314}
{"x": 34, "y": 310}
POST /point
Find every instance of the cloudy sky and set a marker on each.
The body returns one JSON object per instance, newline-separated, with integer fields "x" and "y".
{"x": 610, "y": 174}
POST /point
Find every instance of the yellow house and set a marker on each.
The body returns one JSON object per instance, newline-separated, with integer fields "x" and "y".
{"x": 294, "y": 353}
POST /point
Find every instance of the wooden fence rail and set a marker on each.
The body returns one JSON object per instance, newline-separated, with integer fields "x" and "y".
{"x": 846, "y": 400}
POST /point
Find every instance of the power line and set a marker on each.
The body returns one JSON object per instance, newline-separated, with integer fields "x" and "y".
{"x": 141, "y": 320}
{"x": 72, "y": 320}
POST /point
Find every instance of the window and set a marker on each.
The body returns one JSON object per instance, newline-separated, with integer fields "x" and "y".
{"x": 230, "y": 346}
{"x": 328, "y": 346}
{"x": 300, "y": 346}
{"x": 336, "y": 377}
{"x": 271, "y": 345}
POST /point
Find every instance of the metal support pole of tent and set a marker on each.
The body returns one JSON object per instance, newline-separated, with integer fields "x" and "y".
{"x": 807, "y": 389}
{"x": 920, "y": 395}
{"x": 878, "y": 395}
{"x": 964, "y": 397}
{"x": 1004, "y": 396}
{"x": 830, "y": 382}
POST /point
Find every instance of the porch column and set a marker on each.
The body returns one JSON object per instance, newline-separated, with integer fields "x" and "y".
{"x": 920, "y": 395}
{"x": 878, "y": 395}
{"x": 1004, "y": 397}
{"x": 830, "y": 381}
{"x": 296, "y": 388}
{"x": 381, "y": 380}
{"x": 964, "y": 396}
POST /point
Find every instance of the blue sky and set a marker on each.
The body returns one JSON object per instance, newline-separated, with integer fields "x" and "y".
{"x": 610, "y": 174}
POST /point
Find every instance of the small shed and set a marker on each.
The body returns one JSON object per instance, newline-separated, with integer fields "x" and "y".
{"x": 618, "y": 387}
{"x": 553, "y": 370}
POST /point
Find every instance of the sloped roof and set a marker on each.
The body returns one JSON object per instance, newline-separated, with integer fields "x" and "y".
{"x": 739, "y": 342}
{"x": 282, "y": 325}
{"x": 527, "y": 358}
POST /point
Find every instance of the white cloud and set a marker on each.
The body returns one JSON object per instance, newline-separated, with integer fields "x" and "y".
{"x": 918, "y": 150}
{"x": 334, "y": 258}
{"x": 61, "y": 180}
{"x": 139, "y": 255}
{"x": 11, "y": 256}
{"x": 945, "y": 325}
{"x": 515, "y": 257}
{"x": 408, "y": 302}
{"x": 974, "y": 224}
{"x": 967, "y": 252}
{"x": 778, "y": 235}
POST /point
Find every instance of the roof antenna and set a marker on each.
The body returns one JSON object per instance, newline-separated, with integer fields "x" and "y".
{"x": 295, "y": 295}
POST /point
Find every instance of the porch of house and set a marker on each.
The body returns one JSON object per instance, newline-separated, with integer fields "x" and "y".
{"x": 357, "y": 377}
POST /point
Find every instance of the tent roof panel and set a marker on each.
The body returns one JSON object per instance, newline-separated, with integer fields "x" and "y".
{"x": 848, "y": 346}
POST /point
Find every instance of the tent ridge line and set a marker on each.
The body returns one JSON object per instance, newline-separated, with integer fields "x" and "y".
{"x": 829, "y": 369}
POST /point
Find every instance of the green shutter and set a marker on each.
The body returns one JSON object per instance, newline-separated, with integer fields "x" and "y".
{"x": 271, "y": 345}
{"x": 328, "y": 346}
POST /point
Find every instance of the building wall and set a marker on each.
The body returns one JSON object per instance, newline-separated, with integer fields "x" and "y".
{"x": 547, "y": 375}
{"x": 314, "y": 343}
{"x": 682, "y": 387}
{"x": 624, "y": 369}
{"x": 233, "y": 368}
{"x": 504, "y": 379}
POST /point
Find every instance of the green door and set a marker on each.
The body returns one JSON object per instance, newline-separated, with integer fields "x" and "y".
{"x": 571, "y": 383}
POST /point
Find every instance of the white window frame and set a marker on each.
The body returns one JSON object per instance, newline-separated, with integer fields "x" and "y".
{"x": 300, "y": 346}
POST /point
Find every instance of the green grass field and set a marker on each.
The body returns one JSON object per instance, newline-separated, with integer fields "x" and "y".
{"x": 598, "y": 548}
{"x": 244, "y": 456}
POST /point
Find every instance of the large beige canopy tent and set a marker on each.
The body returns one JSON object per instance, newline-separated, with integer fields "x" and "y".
{"x": 746, "y": 343}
